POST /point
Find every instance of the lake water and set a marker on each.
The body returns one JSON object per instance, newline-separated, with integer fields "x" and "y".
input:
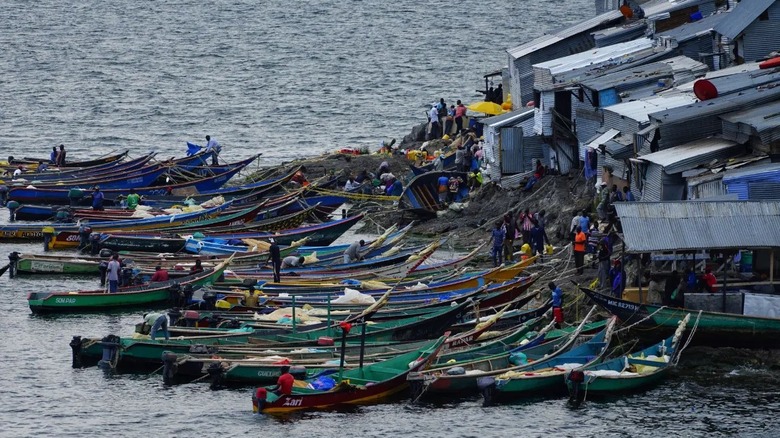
{"x": 287, "y": 79}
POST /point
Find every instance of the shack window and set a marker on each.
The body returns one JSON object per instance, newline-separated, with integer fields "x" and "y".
{"x": 764, "y": 16}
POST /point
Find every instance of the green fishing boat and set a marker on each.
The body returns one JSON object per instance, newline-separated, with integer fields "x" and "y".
{"x": 151, "y": 294}
{"x": 35, "y": 264}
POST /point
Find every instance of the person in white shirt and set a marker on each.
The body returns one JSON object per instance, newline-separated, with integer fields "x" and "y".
{"x": 18, "y": 171}
{"x": 351, "y": 185}
{"x": 213, "y": 145}
{"x": 434, "y": 116}
{"x": 292, "y": 262}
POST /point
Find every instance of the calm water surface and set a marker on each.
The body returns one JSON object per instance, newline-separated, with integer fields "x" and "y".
{"x": 286, "y": 79}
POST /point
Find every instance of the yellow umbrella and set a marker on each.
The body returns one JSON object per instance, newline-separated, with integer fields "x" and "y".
{"x": 486, "y": 107}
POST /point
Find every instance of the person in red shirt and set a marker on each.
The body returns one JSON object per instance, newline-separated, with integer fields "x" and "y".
{"x": 709, "y": 280}
{"x": 285, "y": 382}
{"x": 160, "y": 274}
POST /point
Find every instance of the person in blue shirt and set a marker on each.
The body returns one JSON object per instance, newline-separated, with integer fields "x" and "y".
{"x": 97, "y": 199}
{"x": 628, "y": 196}
{"x": 497, "y": 237}
{"x": 585, "y": 221}
{"x": 53, "y": 155}
{"x": 557, "y": 303}
{"x": 443, "y": 189}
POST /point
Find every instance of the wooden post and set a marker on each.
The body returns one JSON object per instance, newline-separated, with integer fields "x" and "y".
{"x": 772, "y": 266}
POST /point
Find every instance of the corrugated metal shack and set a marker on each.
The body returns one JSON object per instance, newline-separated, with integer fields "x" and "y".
{"x": 562, "y": 42}
{"x": 510, "y": 145}
{"x": 661, "y": 172}
{"x": 752, "y": 29}
{"x": 696, "y": 40}
{"x": 760, "y": 127}
{"x": 761, "y": 182}
{"x": 701, "y": 119}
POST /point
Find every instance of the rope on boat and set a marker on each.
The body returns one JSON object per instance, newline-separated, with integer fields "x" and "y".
{"x": 688, "y": 340}
{"x": 641, "y": 320}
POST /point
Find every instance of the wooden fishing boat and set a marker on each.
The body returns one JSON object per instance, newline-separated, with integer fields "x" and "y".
{"x": 369, "y": 384}
{"x": 147, "y": 295}
{"x": 421, "y": 195}
{"x": 714, "y": 328}
{"x": 111, "y": 188}
{"x": 318, "y": 235}
{"x": 546, "y": 376}
{"x": 65, "y": 174}
{"x": 35, "y": 264}
{"x": 481, "y": 370}
{"x": 638, "y": 370}
{"x": 83, "y": 163}
{"x": 448, "y": 162}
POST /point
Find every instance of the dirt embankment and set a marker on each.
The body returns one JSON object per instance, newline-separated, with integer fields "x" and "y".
{"x": 560, "y": 196}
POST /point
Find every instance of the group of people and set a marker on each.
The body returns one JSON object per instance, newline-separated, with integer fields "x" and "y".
{"x": 383, "y": 182}
{"x": 672, "y": 292}
{"x": 495, "y": 95}
{"x": 57, "y": 157}
{"x": 443, "y": 119}
{"x": 351, "y": 254}
{"x": 527, "y": 226}
{"x": 607, "y": 199}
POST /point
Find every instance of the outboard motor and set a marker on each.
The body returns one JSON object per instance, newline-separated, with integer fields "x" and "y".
{"x": 231, "y": 323}
{"x": 64, "y": 215}
{"x": 209, "y": 300}
{"x": 3, "y": 194}
{"x": 258, "y": 399}
{"x": 74, "y": 196}
{"x": 170, "y": 367}
{"x": 176, "y": 295}
{"x": 105, "y": 252}
{"x": 216, "y": 373}
{"x": 110, "y": 357}
{"x": 13, "y": 260}
{"x": 487, "y": 386}
{"x": 576, "y": 377}
{"x": 126, "y": 278}
{"x": 103, "y": 269}
{"x": 76, "y": 347}
{"x": 94, "y": 243}
{"x": 174, "y": 316}
{"x": 188, "y": 291}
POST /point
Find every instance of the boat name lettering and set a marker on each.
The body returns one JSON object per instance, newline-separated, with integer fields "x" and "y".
{"x": 622, "y": 305}
{"x": 293, "y": 402}
{"x": 238, "y": 222}
{"x": 65, "y": 300}
{"x": 72, "y": 238}
{"x": 135, "y": 180}
{"x": 267, "y": 373}
{"x": 45, "y": 266}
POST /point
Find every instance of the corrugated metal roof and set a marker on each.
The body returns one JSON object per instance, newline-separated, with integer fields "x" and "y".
{"x": 740, "y": 18}
{"x": 640, "y": 109}
{"x": 603, "y": 138}
{"x": 509, "y": 118}
{"x": 562, "y": 34}
{"x": 747, "y": 98}
{"x": 692, "y": 30}
{"x": 670, "y": 226}
{"x": 626, "y": 78}
{"x": 758, "y": 171}
{"x": 594, "y": 56}
{"x": 688, "y": 151}
{"x": 660, "y": 6}
{"x": 762, "y": 119}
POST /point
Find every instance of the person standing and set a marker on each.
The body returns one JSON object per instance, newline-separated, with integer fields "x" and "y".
{"x": 441, "y": 111}
{"x": 113, "y": 273}
{"x": 213, "y": 146}
{"x": 709, "y": 281}
{"x": 510, "y": 225}
{"x": 580, "y": 241}
{"x": 525, "y": 221}
{"x": 443, "y": 183}
{"x": 158, "y": 322}
{"x": 557, "y": 303}
{"x": 449, "y": 120}
{"x": 540, "y": 218}
{"x": 497, "y": 237}
{"x": 61, "y": 156}
{"x": 160, "y": 274}
{"x": 654, "y": 290}
{"x": 537, "y": 239}
{"x": 628, "y": 196}
{"x": 584, "y": 221}
{"x": 275, "y": 257}
{"x": 460, "y": 154}
{"x": 352, "y": 254}
{"x": 53, "y": 155}
{"x": 603, "y": 256}
{"x": 460, "y": 113}
{"x": 433, "y": 115}
{"x": 97, "y": 199}
{"x": 498, "y": 96}
{"x": 616, "y": 275}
